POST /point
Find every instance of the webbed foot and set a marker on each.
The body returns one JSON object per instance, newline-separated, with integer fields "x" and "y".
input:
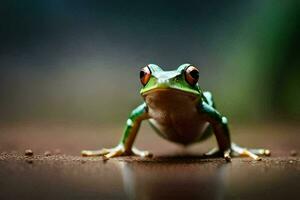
{"x": 116, "y": 152}
{"x": 215, "y": 153}
{"x": 237, "y": 151}
{"x": 252, "y": 153}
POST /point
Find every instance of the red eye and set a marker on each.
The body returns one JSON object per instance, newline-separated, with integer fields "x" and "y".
{"x": 145, "y": 75}
{"x": 192, "y": 75}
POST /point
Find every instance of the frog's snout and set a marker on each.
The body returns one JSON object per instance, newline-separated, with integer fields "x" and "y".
{"x": 163, "y": 82}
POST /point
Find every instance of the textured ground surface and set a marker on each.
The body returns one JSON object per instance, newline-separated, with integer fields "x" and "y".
{"x": 174, "y": 172}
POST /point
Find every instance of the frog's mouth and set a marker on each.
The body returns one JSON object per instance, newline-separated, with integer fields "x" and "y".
{"x": 171, "y": 90}
{"x": 170, "y": 93}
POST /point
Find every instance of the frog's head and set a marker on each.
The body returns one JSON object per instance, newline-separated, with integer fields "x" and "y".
{"x": 184, "y": 78}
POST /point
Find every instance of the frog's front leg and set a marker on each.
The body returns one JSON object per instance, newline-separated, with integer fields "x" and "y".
{"x": 220, "y": 128}
{"x": 125, "y": 146}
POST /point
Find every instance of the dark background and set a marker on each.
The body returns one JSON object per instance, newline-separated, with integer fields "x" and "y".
{"x": 69, "y": 77}
{"x": 79, "y": 60}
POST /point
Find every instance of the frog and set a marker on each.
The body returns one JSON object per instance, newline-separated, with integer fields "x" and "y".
{"x": 179, "y": 111}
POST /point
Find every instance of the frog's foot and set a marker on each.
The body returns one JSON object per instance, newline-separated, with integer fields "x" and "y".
{"x": 115, "y": 152}
{"x": 239, "y": 151}
{"x": 215, "y": 153}
{"x": 140, "y": 153}
{"x": 252, "y": 153}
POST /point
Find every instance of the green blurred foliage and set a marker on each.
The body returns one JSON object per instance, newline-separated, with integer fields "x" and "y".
{"x": 80, "y": 61}
{"x": 261, "y": 67}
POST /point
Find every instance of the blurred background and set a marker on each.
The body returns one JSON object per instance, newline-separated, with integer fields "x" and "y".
{"x": 69, "y": 77}
{"x": 79, "y": 61}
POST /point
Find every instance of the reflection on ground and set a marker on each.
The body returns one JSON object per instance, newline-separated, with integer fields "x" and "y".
{"x": 183, "y": 178}
{"x": 173, "y": 180}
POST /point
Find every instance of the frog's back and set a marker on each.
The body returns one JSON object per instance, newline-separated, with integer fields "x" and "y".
{"x": 174, "y": 115}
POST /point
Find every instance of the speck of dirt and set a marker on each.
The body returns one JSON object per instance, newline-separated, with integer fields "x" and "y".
{"x": 293, "y": 153}
{"x": 28, "y": 152}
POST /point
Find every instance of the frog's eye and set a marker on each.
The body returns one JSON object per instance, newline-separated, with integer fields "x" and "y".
{"x": 145, "y": 75}
{"x": 191, "y": 75}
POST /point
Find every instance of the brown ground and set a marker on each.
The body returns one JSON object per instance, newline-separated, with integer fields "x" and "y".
{"x": 174, "y": 172}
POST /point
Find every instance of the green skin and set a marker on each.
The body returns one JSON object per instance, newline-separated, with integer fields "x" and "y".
{"x": 179, "y": 112}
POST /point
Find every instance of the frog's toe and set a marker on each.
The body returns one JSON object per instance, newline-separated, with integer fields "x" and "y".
{"x": 140, "y": 153}
{"x": 252, "y": 153}
{"x": 89, "y": 153}
{"x": 216, "y": 153}
{"x": 261, "y": 152}
{"x": 113, "y": 153}
{"x": 226, "y": 155}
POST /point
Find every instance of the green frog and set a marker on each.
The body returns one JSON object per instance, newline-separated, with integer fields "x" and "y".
{"x": 179, "y": 111}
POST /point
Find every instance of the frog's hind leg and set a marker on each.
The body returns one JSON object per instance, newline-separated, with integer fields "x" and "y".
{"x": 253, "y": 153}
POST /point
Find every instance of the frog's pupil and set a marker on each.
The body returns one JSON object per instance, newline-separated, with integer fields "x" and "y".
{"x": 194, "y": 74}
